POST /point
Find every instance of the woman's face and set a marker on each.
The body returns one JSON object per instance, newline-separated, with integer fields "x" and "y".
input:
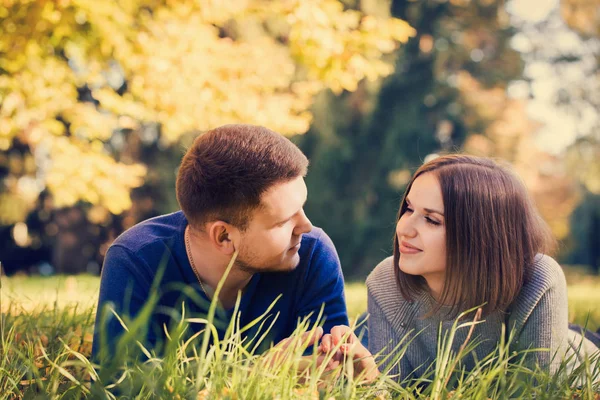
{"x": 421, "y": 233}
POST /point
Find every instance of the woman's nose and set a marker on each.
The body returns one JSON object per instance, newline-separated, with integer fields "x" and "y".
{"x": 405, "y": 226}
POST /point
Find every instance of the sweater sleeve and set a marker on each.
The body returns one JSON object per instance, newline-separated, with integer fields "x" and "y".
{"x": 541, "y": 315}
{"x": 124, "y": 288}
{"x": 324, "y": 286}
{"x": 383, "y": 343}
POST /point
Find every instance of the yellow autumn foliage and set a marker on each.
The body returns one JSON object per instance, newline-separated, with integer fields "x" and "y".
{"x": 510, "y": 136}
{"x": 184, "y": 64}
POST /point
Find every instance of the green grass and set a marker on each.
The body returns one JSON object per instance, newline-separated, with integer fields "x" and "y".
{"x": 45, "y": 343}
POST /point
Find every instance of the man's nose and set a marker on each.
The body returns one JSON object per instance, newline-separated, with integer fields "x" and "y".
{"x": 304, "y": 225}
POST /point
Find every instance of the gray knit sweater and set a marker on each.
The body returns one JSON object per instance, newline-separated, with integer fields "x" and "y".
{"x": 538, "y": 315}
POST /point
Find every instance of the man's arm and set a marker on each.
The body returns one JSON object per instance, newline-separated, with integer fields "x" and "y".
{"x": 125, "y": 287}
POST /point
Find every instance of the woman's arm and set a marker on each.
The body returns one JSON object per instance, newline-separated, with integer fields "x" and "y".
{"x": 540, "y": 315}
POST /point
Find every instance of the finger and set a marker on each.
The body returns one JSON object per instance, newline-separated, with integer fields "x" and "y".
{"x": 338, "y": 332}
{"x": 338, "y": 356}
{"x": 356, "y": 350}
{"x": 331, "y": 363}
{"x": 309, "y": 338}
{"x": 325, "y": 344}
{"x": 344, "y": 333}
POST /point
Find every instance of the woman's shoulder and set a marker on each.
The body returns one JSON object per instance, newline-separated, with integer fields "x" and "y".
{"x": 382, "y": 277}
{"x": 384, "y": 296}
{"x": 382, "y": 286}
{"x": 545, "y": 273}
{"x": 545, "y": 280}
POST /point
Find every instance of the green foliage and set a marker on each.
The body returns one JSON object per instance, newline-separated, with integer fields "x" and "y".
{"x": 45, "y": 355}
{"x": 584, "y": 241}
{"x": 45, "y": 350}
{"x": 364, "y": 145}
{"x": 73, "y": 73}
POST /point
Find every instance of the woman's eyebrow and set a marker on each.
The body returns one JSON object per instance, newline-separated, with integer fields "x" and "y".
{"x": 428, "y": 210}
{"x": 431, "y": 211}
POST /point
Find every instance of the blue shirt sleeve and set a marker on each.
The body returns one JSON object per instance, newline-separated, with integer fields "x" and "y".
{"x": 324, "y": 285}
{"x": 125, "y": 286}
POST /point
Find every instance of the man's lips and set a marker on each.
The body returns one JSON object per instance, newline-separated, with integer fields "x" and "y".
{"x": 407, "y": 248}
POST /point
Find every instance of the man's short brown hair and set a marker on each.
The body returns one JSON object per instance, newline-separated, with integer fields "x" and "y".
{"x": 226, "y": 170}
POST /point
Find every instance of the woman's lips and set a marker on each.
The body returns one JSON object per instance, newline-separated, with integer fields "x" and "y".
{"x": 407, "y": 248}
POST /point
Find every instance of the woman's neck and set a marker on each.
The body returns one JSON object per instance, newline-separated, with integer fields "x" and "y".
{"x": 435, "y": 285}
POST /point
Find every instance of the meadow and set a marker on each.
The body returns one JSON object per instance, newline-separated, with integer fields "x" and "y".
{"x": 46, "y": 334}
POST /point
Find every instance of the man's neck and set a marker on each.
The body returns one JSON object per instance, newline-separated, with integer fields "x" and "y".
{"x": 211, "y": 265}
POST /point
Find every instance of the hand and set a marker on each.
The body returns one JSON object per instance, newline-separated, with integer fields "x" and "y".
{"x": 343, "y": 337}
{"x": 280, "y": 352}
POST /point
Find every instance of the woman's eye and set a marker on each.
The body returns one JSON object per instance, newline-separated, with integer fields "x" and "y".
{"x": 432, "y": 221}
{"x": 408, "y": 209}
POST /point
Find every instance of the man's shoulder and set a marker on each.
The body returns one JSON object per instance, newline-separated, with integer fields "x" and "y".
{"x": 317, "y": 244}
{"x": 154, "y": 231}
{"x": 315, "y": 235}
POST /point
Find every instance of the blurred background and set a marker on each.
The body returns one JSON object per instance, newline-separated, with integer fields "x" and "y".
{"x": 99, "y": 99}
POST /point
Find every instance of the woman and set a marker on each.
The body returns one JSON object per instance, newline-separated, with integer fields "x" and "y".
{"x": 467, "y": 235}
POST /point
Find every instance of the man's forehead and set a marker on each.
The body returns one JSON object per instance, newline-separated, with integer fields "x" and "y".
{"x": 283, "y": 198}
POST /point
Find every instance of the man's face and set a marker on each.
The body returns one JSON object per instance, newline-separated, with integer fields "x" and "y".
{"x": 272, "y": 239}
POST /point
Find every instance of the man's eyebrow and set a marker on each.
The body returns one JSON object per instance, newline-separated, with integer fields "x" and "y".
{"x": 291, "y": 216}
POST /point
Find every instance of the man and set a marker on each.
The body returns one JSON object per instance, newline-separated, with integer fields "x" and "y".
{"x": 240, "y": 189}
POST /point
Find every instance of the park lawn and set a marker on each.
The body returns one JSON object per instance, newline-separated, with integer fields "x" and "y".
{"x": 29, "y": 293}
{"x": 46, "y": 334}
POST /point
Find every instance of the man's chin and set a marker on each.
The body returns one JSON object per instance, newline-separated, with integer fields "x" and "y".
{"x": 294, "y": 262}
{"x": 287, "y": 265}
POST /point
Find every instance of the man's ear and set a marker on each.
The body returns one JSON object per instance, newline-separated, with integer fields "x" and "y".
{"x": 223, "y": 236}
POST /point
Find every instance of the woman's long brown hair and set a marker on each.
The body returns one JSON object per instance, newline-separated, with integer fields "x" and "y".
{"x": 493, "y": 233}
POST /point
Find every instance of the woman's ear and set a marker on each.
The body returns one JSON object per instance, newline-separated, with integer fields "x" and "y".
{"x": 223, "y": 236}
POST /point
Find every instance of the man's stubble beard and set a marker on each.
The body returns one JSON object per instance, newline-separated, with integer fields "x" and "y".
{"x": 251, "y": 268}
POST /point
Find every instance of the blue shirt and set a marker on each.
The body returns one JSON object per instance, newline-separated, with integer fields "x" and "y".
{"x": 150, "y": 259}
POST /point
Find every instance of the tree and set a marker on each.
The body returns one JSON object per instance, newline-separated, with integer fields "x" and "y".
{"x": 96, "y": 98}
{"x": 364, "y": 146}
{"x": 72, "y": 73}
{"x": 565, "y": 47}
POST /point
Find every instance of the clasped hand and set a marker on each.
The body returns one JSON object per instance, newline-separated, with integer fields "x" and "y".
{"x": 346, "y": 345}
{"x": 335, "y": 347}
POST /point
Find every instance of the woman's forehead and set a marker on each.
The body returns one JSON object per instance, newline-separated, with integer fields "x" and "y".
{"x": 426, "y": 192}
